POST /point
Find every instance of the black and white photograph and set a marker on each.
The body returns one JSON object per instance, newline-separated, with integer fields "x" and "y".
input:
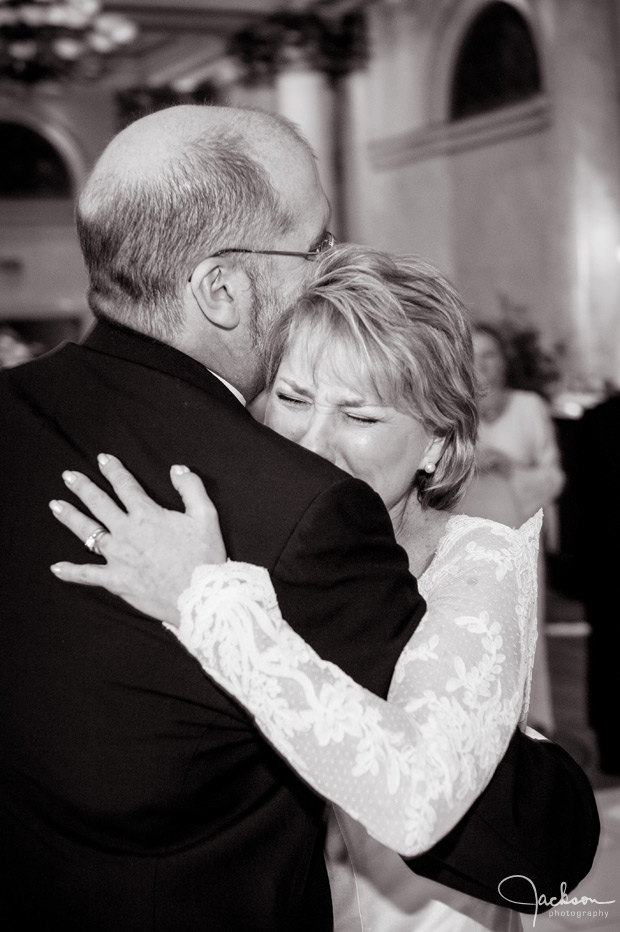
{"x": 309, "y": 465}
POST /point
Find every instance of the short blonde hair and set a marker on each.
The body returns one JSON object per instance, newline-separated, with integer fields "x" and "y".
{"x": 407, "y": 329}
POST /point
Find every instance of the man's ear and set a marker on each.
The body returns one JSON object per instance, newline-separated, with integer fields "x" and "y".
{"x": 216, "y": 288}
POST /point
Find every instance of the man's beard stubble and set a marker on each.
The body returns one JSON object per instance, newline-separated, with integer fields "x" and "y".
{"x": 268, "y": 304}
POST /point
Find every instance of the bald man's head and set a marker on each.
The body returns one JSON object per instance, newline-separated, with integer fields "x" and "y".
{"x": 174, "y": 187}
{"x": 148, "y": 145}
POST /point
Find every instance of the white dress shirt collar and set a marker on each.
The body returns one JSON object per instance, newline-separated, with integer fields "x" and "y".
{"x": 230, "y": 387}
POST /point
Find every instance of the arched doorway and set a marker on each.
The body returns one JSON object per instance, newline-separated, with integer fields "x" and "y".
{"x": 497, "y": 64}
{"x": 30, "y": 166}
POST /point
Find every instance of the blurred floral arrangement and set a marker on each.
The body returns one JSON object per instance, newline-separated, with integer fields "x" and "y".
{"x": 531, "y": 366}
{"x": 58, "y": 39}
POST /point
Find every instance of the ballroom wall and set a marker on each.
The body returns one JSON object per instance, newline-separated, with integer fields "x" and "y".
{"x": 519, "y": 205}
{"x": 42, "y": 275}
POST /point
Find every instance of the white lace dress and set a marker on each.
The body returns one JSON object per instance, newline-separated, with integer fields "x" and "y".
{"x": 408, "y": 768}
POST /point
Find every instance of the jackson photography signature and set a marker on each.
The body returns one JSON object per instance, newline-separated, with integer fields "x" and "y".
{"x": 554, "y": 901}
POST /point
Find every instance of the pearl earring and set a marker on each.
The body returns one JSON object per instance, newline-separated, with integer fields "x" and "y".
{"x": 430, "y": 468}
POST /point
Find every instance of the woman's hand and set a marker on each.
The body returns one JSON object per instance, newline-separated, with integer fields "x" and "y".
{"x": 150, "y": 552}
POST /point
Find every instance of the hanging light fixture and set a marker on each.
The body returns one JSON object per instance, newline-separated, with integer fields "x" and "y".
{"x": 44, "y": 40}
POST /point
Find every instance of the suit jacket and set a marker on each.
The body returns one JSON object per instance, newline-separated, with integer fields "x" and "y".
{"x": 135, "y": 794}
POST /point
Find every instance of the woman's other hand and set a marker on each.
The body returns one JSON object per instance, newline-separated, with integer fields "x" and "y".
{"x": 150, "y": 552}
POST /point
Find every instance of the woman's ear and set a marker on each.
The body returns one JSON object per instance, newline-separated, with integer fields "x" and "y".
{"x": 432, "y": 454}
{"x": 215, "y": 288}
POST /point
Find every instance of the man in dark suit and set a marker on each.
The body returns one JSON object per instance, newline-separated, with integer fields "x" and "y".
{"x": 134, "y": 794}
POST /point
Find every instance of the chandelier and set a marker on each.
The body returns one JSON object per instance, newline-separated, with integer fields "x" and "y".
{"x": 42, "y": 40}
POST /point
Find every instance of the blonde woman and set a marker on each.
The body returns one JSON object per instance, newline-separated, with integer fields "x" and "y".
{"x": 373, "y": 369}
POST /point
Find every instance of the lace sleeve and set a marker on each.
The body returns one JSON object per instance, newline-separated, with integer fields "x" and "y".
{"x": 408, "y": 768}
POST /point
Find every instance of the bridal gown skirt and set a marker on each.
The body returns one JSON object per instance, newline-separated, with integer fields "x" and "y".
{"x": 373, "y": 890}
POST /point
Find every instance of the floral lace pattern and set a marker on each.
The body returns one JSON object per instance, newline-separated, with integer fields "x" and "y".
{"x": 410, "y": 767}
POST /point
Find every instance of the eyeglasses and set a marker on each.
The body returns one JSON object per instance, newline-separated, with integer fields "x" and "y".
{"x": 327, "y": 241}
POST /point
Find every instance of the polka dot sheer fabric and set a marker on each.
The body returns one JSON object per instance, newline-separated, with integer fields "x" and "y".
{"x": 407, "y": 768}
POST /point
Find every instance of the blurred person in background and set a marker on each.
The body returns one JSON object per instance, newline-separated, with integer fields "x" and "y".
{"x": 598, "y": 550}
{"x": 519, "y": 471}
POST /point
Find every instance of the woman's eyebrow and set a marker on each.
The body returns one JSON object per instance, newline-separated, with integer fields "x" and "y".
{"x": 293, "y": 386}
{"x": 354, "y": 401}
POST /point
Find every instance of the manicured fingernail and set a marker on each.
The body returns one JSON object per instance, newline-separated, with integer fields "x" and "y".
{"x": 56, "y": 506}
{"x": 69, "y": 477}
{"x": 180, "y": 470}
{"x": 56, "y": 569}
{"x": 103, "y": 459}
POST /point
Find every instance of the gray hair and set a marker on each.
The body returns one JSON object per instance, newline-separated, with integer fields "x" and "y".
{"x": 142, "y": 233}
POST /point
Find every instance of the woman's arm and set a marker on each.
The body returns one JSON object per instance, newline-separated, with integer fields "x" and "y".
{"x": 540, "y": 481}
{"x": 408, "y": 768}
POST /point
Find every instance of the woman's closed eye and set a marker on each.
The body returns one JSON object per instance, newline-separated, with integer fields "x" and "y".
{"x": 291, "y": 400}
{"x": 296, "y": 402}
{"x": 362, "y": 419}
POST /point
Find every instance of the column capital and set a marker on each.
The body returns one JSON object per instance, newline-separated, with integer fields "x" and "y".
{"x": 301, "y": 40}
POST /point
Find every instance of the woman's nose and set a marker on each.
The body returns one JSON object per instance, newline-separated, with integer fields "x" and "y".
{"x": 318, "y": 436}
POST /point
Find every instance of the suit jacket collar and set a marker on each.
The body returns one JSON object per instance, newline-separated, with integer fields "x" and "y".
{"x": 115, "y": 340}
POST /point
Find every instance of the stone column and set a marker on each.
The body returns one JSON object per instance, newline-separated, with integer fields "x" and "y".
{"x": 304, "y": 56}
{"x": 585, "y": 184}
{"x": 305, "y": 96}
